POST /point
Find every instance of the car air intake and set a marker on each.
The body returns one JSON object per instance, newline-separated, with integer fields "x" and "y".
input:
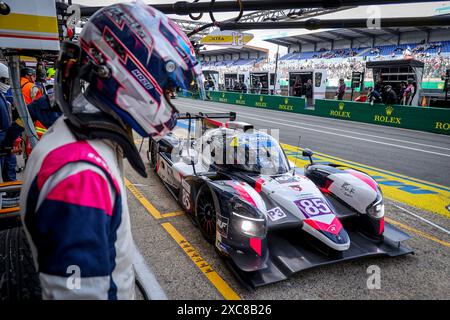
{"x": 238, "y": 125}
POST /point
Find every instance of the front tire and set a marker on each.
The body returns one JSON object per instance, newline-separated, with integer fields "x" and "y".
{"x": 152, "y": 153}
{"x": 205, "y": 214}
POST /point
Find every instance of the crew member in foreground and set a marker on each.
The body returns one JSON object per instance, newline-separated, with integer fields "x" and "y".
{"x": 74, "y": 205}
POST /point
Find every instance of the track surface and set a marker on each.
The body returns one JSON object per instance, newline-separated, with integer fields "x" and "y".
{"x": 187, "y": 267}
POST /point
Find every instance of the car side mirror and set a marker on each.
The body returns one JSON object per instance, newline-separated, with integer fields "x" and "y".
{"x": 308, "y": 153}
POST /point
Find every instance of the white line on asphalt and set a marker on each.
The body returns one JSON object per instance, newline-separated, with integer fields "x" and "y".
{"x": 369, "y": 135}
{"x": 377, "y": 126}
{"x": 423, "y": 219}
{"x": 146, "y": 277}
{"x": 326, "y": 132}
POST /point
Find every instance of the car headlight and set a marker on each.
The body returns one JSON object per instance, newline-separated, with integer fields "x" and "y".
{"x": 376, "y": 209}
{"x": 253, "y": 227}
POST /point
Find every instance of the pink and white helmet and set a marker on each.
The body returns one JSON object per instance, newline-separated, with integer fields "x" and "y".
{"x": 143, "y": 55}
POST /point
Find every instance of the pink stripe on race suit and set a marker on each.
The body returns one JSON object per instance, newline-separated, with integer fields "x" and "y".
{"x": 363, "y": 177}
{"x": 242, "y": 192}
{"x": 86, "y": 188}
{"x": 71, "y": 152}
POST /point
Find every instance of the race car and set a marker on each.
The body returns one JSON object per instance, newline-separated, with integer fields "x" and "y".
{"x": 266, "y": 217}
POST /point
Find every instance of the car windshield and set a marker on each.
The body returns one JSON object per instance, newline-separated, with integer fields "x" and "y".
{"x": 257, "y": 153}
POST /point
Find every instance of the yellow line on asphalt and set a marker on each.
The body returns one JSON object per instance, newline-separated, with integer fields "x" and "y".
{"x": 220, "y": 284}
{"x": 420, "y": 233}
{"x": 414, "y": 192}
{"x": 225, "y": 290}
{"x": 172, "y": 214}
{"x": 150, "y": 208}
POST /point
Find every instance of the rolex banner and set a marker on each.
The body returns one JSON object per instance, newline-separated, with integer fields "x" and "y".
{"x": 288, "y": 104}
{"x": 416, "y": 118}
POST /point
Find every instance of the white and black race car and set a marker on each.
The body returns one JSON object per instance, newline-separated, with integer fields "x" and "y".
{"x": 268, "y": 218}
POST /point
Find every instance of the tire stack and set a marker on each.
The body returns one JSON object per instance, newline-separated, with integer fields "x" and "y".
{"x": 18, "y": 277}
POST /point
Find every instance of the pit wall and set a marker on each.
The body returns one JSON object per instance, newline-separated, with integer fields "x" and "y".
{"x": 436, "y": 120}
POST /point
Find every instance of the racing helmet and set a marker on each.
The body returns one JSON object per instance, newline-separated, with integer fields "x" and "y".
{"x": 251, "y": 151}
{"x": 131, "y": 55}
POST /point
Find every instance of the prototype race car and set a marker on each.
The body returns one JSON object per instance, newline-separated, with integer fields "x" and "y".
{"x": 268, "y": 218}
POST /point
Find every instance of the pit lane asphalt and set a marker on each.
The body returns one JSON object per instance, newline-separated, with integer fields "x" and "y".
{"x": 424, "y": 275}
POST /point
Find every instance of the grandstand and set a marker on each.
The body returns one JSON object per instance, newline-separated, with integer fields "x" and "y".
{"x": 238, "y": 57}
{"x": 343, "y": 51}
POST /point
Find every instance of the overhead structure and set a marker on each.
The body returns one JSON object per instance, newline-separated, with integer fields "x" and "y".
{"x": 279, "y": 14}
{"x": 355, "y": 36}
{"x": 287, "y": 15}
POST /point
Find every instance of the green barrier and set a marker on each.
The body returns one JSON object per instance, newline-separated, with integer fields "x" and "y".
{"x": 281, "y": 103}
{"x": 417, "y": 118}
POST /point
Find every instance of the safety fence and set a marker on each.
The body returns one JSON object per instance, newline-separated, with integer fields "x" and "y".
{"x": 417, "y": 118}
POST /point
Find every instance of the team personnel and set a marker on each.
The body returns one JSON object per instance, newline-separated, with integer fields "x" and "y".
{"x": 408, "y": 93}
{"x": 5, "y": 118}
{"x": 341, "y": 89}
{"x": 73, "y": 202}
{"x": 391, "y": 95}
{"x": 373, "y": 96}
{"x": 30, "y": 90}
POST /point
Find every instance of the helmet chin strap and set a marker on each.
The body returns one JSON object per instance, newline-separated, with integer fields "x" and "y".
{"x": 93, "y": 128}
{"x": 100, "y": 125}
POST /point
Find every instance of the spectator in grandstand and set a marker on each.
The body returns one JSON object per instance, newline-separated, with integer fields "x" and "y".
{"x": 409, "y": 92}
{"x": 309, "y": 93}
{"x": 298, "y": 88}
{"x": 341, "y": 89}
{"x": 391, "y": 96}
{"x": 373, "y": 96}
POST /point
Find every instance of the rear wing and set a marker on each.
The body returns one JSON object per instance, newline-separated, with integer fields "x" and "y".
{"x": 231, "y": 116}
{"x": 205, "y": 121}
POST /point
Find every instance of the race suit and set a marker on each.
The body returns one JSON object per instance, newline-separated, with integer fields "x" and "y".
{"x": 74, "y": 209}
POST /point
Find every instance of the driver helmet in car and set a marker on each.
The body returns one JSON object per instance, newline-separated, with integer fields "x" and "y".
{"x": 251, "y": 151}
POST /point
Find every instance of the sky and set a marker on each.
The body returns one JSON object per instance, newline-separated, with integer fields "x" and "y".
{"x": 386, "y": 11}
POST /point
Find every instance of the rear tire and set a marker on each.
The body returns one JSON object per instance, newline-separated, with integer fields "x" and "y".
{"x": 18, "y": 277}
{"x": 205, "y": 214}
